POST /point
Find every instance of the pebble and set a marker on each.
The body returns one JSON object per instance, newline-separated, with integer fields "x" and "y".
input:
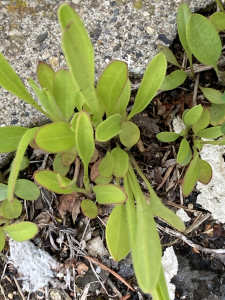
{"x": 150, "y": 30}
{"x": 46, "y": 55}
{"x": 42, "y": 37}
{"x": 14, "y": 31}
{"x": 10, "y": 296}
{"x": 55, "y": 295}
{"x": 146, "y": 14}
{"x": 76, "y": 1}
{"x": 54, "y": 62}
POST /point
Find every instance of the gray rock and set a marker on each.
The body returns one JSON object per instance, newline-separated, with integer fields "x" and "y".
{"x": 42, "y": 37}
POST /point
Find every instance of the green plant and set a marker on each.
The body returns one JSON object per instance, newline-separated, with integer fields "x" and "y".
{"x": 101, "y": 119}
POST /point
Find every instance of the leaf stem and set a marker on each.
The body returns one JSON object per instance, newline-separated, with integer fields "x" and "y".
{"x": 220, "y": 6}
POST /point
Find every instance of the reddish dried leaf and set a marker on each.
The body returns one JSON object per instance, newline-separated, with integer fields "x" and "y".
{"x": 94, "y": 170}
{"x": 70, "y": 203}
{"x": 95, "y": 156}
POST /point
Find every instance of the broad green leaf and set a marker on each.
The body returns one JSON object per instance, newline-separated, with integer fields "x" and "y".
{"x": 109, "y": 194}
{"x": 55, "y": 137}
{"x": 85, "y": 139}
{"x": 150, "y": 84}
{"x": 222, "y": 128}
{"x": 183, "y": 15}
{"x": 11, "y": 209}
{"x": 10, "y": 137}
{"x": 45, "y": 75}
{"x": 130, "y": 134}
{"x": 193, "y": 115}
{"x": 89, "y": 208}
{"x": 205, "y": 174}
{"x": 73, "y": 122}
{"x": 111, "y": 85}
{"x": 210, "y": 133}
{"x": 223, "y": 97}
{"x": 102, "y": 180}
{"x": 168, "y": 54}
{"x": 2, "y": 240}
{"x": 24, "y": 163}
{"x": 49, "y": 180}
{"x": 123, "y": 99}
{"x": 58, "y": 166}
{"x": 217, "y": 142}
{"x": 217, "y": 114}
{"x": 108, "y": 128}
{"x": 167, "y": 136}
{"x": 22, "y": 231}
{"x": 24, "y": 142}
{"x": 218, "y": 20}
{"x": 161, "y": 290}
{"x": 184, "y": 154}
{"x": 3, "y": 191}
{"x": 64, "y": 92}
{"x": 201, "y": 35}
{"x": 10, "y": 81}
{"x": 56, "y": 111}
{"x": 204, "y": 120}
{"x": 117, "y": 234}
{"x": 69, "y": 156}
{"x": 26, "y": 189}
{"x": 214, "y": 96}
{"x": 106, "y": 165}
{"x": 121, "y": 160}
{"x": 191, "y": 175}
{"x": 173, "y": 80}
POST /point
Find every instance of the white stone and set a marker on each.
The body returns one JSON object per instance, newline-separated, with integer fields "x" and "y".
{"x": 150, "y": 30}
{"x": 181, "y": 213}
{"x": 46, "y": 55}
{"x": 14, "y": 31}
{"x": 146, "y": 14}
{"x": 178, "y": 125}
{"x": 96, "y": 248}
{"x": 76, "y": 1}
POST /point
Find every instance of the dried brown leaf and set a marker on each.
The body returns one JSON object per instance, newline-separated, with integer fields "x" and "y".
{"x": 70, "y": 203}
{"x": 94, "y": 170}
{"x": 95, "y": 156}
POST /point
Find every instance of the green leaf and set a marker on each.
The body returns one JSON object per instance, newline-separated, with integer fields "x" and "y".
{"x": 89, "y": 208}
{"x": 10, "y": 81}
{"x": 173, "y": 80}
{"x": 210, "y": 133}
{"x": 111, "y": 85}
{"x": 64, "y": 92}
{"x": 45, "y": 75}
{"x": 201, "y": 35}
{"x": 24, "y": 142}
{"x": 10, "y": 137}
{"x": 222, "y": 128}
{"x": 24, "y": 163}
{"x": 3, "y": 191}
{"x": 218, "y": 20}
{"x": 217, "y": 114}
{"x": 2, "y": 240}
{"x": 108, "y": 128}
{"x": 73, "y": 122}
{"x": 26, "y": 189}
{"x": 184, "y": 154}
{"x": 205, "y": 174}
{"x": 56, "y": 111}
{"x": 150, "y": 84}
{"x": 161, "y": 290}
{"x": 22, "y": 231}
{"x": 168, "y": 54}
{"x": 58, "y": 166}
{"x": 69, "y": 156}
{"x": 130, "y": 134}
{"x": 123, "y": 99}
{"x": 193, "y": 115}
{"x": 109, "y": 194}
{"x": 106, "y": 165}
{"x": 55, "y": 137}
{"x": 121, "y": 160}
{"x": 49, "y": 180}
{"x": 183, "y": 15}
{"x": 11, "y": 209}
{"x": 203, "y": 122}
{"x": 191, "y": 175}
{"x": 212, "y": 95}
{"x": 167, "y": 137}
{"x": 117, "y": 234}
{"x": 102, "y": 180}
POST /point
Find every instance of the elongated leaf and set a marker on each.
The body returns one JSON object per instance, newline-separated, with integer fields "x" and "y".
{"x": 22, "y": 231}
{"x": 210, "y": 133}
{"x": 204, "y": 120}
{"x": 69, "y": 156}
{"x": 111, "y": 84}
{"x": 10, "y": 137}
{"x": 117, "y": 234}
{"x": 106, "y": 165}
{"x": 56, "y": 111}
{"x": 89, "y": 208}
{"x": 193, "y": 115}
{"x": 45, "y": 75}
{"x": 3, "y": 191}
{"x": 201, "y": 35}
{"x": 205, "y": 174}
{"x": 167, "y": 136}
{"x": 73, "y": 122}
{"x": 150, "y": 84}
{"x": 58, "y": 166}
{"x": 24, "y": 163}
{"x": 168, "y": 54}
{"x": 121, "y": 160}
{"x": 218, "y": 20}
{"x": 108, "y": 128}
{"x": 184, "y": 154}
{"x": 123, "y": 99}
{"x": 64, "y": 92}
{"x": 2, "y": 240}
{"x": 217, "y": 114}
{"x": 10, "y": 81}
{"x": 173, "y": 80}
{"x": 49, "y": 180}
{"x": 130, "y": 134}
{"x": 191, "y": 175}
{"x": 55, "y": 137}
{"x": 109, "y": 194}
{"x": 24, "y": 142}
{"x": 26, "y": 189}
{"x": 11, "y": 209}
{"x": 161, "y": 290}
{"x": 214, "y": 96}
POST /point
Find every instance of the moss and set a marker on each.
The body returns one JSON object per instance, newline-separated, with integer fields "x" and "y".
{"x": 138, "y": 4}
{"x": 20, "y": 6}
